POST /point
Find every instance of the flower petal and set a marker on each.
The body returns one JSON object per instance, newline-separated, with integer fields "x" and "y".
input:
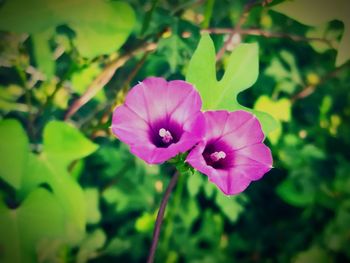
{"x": 254, "y": 160}
{"x": 183, "y": 100}
{"x": 128, "y": 126}
{"x": 155, "y": 104}
{"x": 243, "y": 130}
{"x": 230, "y": 182}
{"x": 148, "y": 98}
{"x": 239, "y": 135}
{"x": 216, "y": 121}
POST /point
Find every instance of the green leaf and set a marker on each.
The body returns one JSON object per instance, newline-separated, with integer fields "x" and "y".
{"x": 230, "y": 206}
{"x": 145, "y": 223}
{"x": 81, "y": 80}
{"x": 240, "y": 74}
{"x": 117, "y": 246}
{"x": 279, "y": 109}
{"x": 175, "y": 49}
{"x": 194, "y": 183}
{"x": 14, "y": 147}
{"x": 306, "y": 13}
{"x": 101, "y": 26}
{"x": 90, "y": 245}
{"x": 71, "y": 197}
{"x": 16, "y": 14}
{"x": 41, "y": 170}
{"x": 43, "y": 54}
{"x": 40, "y": 216}
{"x": 64, "y": 143}
{"x": 298, "y": 189}
{"x": 313, "y": 254}
{"x": 92, "y": 205}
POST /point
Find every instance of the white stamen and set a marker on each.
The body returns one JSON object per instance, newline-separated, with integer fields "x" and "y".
{"x": 216, "y": 156}
{"x": 166, "y": 135}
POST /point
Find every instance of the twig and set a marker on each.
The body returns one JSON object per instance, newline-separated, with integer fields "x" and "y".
{"x": 109, "y": 106}
{"x": 28, "y": 98}
{"x": 125, "y": 86}
{"x": 235, "y": 32}
{"x": 160, "y": 216}
{"x": 259, "y": 32}
{"x": 309, "y": 89}
{"x": 105, "y": 76}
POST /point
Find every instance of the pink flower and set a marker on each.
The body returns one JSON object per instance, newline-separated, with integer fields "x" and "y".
{"x": 159, "y": 119}
{"x": 232, "y": 153}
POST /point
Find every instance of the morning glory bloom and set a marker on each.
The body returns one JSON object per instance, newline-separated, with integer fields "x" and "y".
{"x": 231, "y": 153}
{"x": 159, "y": 119}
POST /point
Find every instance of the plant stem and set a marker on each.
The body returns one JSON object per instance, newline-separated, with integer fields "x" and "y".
{"x": 105, "y": 76}
{"x": 160, "y": 216}
{"x": 28, "y": 99}
{"x": 175, "y": 207}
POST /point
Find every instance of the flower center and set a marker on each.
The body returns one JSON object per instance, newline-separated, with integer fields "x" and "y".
{"x": 216, "y": 156}
{"x": 165, "y": 135}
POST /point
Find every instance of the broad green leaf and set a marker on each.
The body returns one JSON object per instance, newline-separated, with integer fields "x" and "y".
{"x": 101, "y": 26}
{"x": 27, "y": 16}
{"x": 83, "y": 78}
{"x": 145, "y": 223}
{"x": 64, "y": 143}
{"x": 43, "y": 54}
{"x": 229, "y": 206}
{"x": 314, "y": 254}
{"x": 189, "y": 212}
{"x": 14, "y": 148}
{"x": 280, "y": 110}
{"x": 298, "y": 189}
{"x": 68, "y": 192}
{"x": 90, "y": 245}
{"x": 92, "y": 205}
{"x": 240, "y": 74}
{"x": 8, "y": 99}
{"x": 194, "y": 183}
{"x": 316, "y": 12}
{"x": 174, "y": 48}
{"x": 117, "y": 246}
{"x": 284, "y": 70}
{"x": 39, "y": 216}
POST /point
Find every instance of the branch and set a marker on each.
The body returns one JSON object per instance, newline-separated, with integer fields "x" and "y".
{"x": 231, "y": 42}
{"x": 309, "y": 89}
{"x": 105, "y": 76}
{"x": 267, "y": 34}
{"x": 160, "y": 216}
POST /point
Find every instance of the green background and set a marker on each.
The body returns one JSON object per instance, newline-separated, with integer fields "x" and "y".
{"x": 72, "y": 192}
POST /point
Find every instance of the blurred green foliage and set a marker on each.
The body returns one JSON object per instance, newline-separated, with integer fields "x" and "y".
{"x": 71, "y": 192}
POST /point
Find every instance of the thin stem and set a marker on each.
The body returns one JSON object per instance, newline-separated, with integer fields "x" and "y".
{"x": 268, "y": 34}
{"x": 160, "y": 216}
{"x": 106, "y": 75}
{"x": 235, "y": 32}
{"x": 309, "y": 89}
{"x": 173, "y": 212}
{"x": 28, "y": 98}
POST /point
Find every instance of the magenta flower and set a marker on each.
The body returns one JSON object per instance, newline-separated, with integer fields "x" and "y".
{"x": 159, "y": 119}
{"x": 231, "y": 153}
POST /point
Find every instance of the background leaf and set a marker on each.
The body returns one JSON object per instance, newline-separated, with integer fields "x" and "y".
{"x": 84, "y": 17}
{"x": 14, "y": 147}
{"x": 240, "y": 74}
{"x": 18, "y": 236}
{"x": 306, "y": 13}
